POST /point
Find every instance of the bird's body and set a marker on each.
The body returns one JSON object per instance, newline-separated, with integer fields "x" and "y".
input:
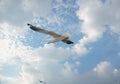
{"x": 56, "y": 37}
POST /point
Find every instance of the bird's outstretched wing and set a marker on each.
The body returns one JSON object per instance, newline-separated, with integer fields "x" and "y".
{"x": 44, "y": 31}
{"x": 67, "y": 41}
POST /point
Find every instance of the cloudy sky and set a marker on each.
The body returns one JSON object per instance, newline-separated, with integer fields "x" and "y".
{"x": 93, "y": 25}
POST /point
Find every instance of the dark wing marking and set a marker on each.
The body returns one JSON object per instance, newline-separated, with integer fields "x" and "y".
{"x": 44, "y": 31}
{"x": 67, "y": 41}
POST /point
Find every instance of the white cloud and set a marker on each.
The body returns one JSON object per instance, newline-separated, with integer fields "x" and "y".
{"x": 37, "y": 7}
{"x": 11, "y": 31}
{"x": 96, "y": 15}
{"x": 105, "y": 69}
{"x": 53, "y": 53}
{"x": 79, "y": 48}
{"x": 36, "y": 63}
{"x": 20, "y": 12}
{"x": 103, "y": 73}
{"x": 54, "y": 72}
{"x": 68, "y": 70}
{"x": 10, "y": 46}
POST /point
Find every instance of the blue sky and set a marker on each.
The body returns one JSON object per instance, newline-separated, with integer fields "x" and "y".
{"x": 93, "y": 25}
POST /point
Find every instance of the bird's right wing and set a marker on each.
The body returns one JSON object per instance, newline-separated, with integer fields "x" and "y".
{"x": 44, "y": 31}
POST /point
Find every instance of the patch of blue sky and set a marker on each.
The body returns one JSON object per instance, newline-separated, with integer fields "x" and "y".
{"x": 10, "y": 70}
{"x": 105, "y": 49}
{"x": 66, "y": 11}
{"x": 69, "y": 2}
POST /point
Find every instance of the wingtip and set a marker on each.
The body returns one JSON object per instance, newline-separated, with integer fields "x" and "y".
{"x": 28, "y": 24}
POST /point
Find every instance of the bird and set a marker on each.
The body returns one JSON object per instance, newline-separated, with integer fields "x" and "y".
{"x": 56, "y": 37}
{"x": 42, "y": 82}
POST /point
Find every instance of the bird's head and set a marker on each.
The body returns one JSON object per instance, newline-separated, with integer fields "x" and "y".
{"x": 66, "y": 35}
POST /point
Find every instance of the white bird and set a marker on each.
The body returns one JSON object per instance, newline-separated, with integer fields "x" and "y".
{"x": 56, "y": 37}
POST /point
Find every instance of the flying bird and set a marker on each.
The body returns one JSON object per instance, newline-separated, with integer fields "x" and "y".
{"x": 56, "y": 37}
{"x": 42, "y": 82}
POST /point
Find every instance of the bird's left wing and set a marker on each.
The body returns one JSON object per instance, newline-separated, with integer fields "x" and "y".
{"x": 44, "y": 31}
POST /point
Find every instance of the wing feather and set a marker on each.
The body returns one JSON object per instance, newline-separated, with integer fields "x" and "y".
{"x": 44, "y": 31}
